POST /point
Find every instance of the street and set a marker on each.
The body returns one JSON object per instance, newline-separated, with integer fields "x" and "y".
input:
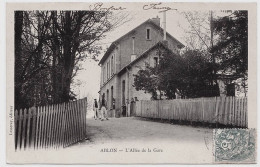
{"x": 132, "y": 140}
{"x": 132, "y": 134}
{"x": 139, "y": 129}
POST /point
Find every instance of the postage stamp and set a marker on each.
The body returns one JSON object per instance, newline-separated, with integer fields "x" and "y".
{"x": 235, "y": 145}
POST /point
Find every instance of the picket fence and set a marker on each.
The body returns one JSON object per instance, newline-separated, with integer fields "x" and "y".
{"x": 217, "y": 110}
{"x": 52, "y": 126}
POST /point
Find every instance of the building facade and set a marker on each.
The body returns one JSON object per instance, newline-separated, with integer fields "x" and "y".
{"x": 125, "y": 57}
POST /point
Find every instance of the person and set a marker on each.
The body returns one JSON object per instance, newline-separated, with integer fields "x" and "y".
{"x": 104, "y": 109}
{"x": 99, "y": 109}
{"x": 95, "y": 108}
{"x": 132, "y": 107}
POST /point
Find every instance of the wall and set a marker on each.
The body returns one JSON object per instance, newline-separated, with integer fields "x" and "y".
{"x": 122, "y": 57}
{"x": 112, "y": 67}
{"x": 141, "y": 95}
{"x": 128, "y": 77}
{"x": 122, "y": 53}
{"x": 141, "y": 43}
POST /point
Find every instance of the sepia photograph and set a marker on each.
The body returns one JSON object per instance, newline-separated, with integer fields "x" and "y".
{"x": 131, "y": 83}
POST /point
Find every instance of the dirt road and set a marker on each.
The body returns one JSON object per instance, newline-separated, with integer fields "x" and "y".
{"x": 134, "y": 134}
{"x": 140, "y": 129}
{"x": 132, "y": 140}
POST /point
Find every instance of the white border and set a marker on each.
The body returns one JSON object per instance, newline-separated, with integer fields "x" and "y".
{"x": 3, "y": 68}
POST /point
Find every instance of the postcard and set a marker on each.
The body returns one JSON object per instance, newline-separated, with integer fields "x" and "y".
{"x": 131, "y": 83}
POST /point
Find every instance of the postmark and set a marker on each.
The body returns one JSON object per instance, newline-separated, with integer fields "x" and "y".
{"x": 234, "y": 145}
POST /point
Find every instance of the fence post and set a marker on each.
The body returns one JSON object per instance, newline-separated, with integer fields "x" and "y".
{"x": 55, "y": 126}
{"x": 226, "y": 111}
{"x": 41, "y": 126}
{"x": 203, "y": 111}
{"x": 16, "y": 128}
{"x": 69, "y": 124}
{"x": 47, "y": 127}
{"x": 33, "y": 112}
{"x": 58, "y": 135}
{"x": 85, "y": 117}
{"x": 52, "y": 125}
{"x": 24, "y": 129}
{"x": 246, "y": 114}
{"x": 63, "y": 139}
{"x": 74, "y": 129}
{"x": 230, "y": 111}
{"x": 45, "y": 110}
{"x": 19, "y": 136}
{"x": 28, "y": 128}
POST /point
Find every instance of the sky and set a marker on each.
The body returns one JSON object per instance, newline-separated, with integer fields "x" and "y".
{"x": 90, "y": 75}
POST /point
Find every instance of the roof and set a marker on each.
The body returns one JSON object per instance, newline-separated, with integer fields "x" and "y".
{"x": 113, "y": 44}
{"x": 160, "y": 44}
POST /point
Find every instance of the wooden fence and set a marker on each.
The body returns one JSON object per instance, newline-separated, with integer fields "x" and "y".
{"x": 218, "y": 110}
{"x": 50, "y": 126}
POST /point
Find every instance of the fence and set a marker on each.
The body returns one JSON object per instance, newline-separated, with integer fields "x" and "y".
{"x": 50, "y": 126}
{"x": 218, "y": 110}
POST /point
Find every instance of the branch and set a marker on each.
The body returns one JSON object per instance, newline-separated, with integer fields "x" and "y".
{"x": 195, "y": 30}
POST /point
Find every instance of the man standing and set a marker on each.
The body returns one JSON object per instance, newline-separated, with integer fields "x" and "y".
{"x": 103, "y": 109}
{"x": 95, "y": 108}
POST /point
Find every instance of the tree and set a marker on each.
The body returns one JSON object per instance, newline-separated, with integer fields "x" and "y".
{"x": 146, "y": 80}
{"x": 198, "y": 75}
{"x": 197, "y": 30}
{"x": 231, "y": 50}
{"x": 188, "y": 75}
{"x": 232, "y": 47}
{"x": 18, "y": 50}
{"x": 52, "y": 45}
{"x": 158, "y": 80}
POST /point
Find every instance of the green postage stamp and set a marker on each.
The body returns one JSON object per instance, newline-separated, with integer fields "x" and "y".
{"x": 235, "y": 145}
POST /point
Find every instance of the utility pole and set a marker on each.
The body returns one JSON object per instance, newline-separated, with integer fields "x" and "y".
{"x": 212, "y": 44}
{"x": 211, "y": 28}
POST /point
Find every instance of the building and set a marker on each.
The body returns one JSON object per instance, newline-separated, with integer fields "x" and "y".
{"x": 125, "y": 57}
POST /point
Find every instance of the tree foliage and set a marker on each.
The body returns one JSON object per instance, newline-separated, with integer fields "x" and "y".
{"x": 189, "y": 75}
{"x": 231, "y": 50}
{"x": 198, "y": 77}
{"x": 48, "y": 48}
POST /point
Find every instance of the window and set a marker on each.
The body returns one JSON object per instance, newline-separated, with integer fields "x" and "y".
{"x": 107, "y": 71}
{"x": 107, "y": 99}
{"x": 109, "y": 68}
{"x": 104, "y": 74}
{"x": 148, "y": 35}
{"x": 112, "y": 65}
{"x": 123, "y": 92}
{"x": 112, "y": 94}
{"x": 155, "y": 61}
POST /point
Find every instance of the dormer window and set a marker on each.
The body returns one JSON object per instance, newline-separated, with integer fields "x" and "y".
{"x": 155, "y": 61}
{"x": 148, "y": 34}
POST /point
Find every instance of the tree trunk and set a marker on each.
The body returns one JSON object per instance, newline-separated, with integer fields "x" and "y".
{"x": 68, "y": 61}
{"x": 18, "y": 52}
{"x": 70, "y": 47}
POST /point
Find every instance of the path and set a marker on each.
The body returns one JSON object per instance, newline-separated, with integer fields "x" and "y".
{"x": 167, "y": 144}
{"x": 134, "y": 128}
{"x": 178, "y": 141}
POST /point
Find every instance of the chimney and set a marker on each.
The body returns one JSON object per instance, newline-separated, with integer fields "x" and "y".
{"x": 164, "y": 25}
{"x": 165, "y": 42}
{"x": 156, "y": 20}
{"x": 133, "y": 56}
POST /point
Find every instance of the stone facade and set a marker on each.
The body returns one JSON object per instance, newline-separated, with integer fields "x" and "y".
{"x": 119, "y": 86}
